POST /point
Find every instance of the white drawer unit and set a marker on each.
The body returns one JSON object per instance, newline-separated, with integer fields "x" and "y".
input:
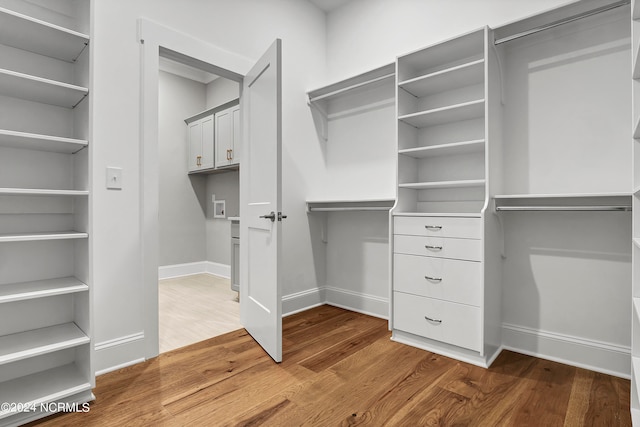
{"x": 466, "y": 228}
{"x": 441, "y": 247}
{"x": 451, "y": 323}
{"x": 441, "y": 278}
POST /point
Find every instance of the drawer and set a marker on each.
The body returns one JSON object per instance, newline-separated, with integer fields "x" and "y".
{"x": 467, "y": 228}
{"x": 451, "y": 323}
{"x": 440, "y": 247}
{"x": 442, "y": 278}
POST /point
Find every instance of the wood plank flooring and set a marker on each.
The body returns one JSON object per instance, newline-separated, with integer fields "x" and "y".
{"x": 341, "y": 369}
{"x": 195, "y": 308}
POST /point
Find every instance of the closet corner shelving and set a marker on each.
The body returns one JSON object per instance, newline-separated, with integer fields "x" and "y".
{"x": 635, "y": 259}
{"x": 45, "y": 218}
{"x": 446, "y": 98}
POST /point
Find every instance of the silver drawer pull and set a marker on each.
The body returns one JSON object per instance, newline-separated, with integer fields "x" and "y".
{"x": 434, "y": 279}
{"x": 433, "y": 320}
{"x": 435, "y": 248}
{"x": 433, "y": 227}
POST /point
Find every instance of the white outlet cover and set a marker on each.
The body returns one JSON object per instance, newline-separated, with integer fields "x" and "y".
{"x": 114, "y": 178}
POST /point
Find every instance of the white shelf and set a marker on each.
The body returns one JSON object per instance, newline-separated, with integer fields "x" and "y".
{"x": 40, "y": 289}
{"x": 465, "y": 147}
{"x": 47, "y": 386}
{"x": 33, "y": 343}
{"x": 564, "y": 202}
{"x": 54, "y": 235}
{"x": 452, "y": 113}
{"x": 360, "y": 81}
{"x": 27, "y": 33}
{"x": 444, "y": 80}
{"x": 33, "y": 141}
{"x": 344, "y": 205}
{"x": 41, "y": 192}
{"x": 38, "y": 89}
{"x": 435, "y": 214}
{"x": 443, "y": 184}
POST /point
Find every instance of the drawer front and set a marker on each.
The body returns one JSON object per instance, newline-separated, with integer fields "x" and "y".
{"x": 440, "y": 247}
{"x": 451, "y": 323}
{"x": 447, "y": 279}
{"x": 466, "y": 228}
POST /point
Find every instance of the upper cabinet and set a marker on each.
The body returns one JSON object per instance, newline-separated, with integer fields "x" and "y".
{"x": 214, "y": 139}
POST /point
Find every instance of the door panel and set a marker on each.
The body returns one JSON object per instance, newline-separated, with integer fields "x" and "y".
{"x": 260, "y": 194}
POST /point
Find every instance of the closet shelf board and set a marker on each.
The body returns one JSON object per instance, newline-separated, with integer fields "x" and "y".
{"x": 54, "y": 235}
{"x": 42, "y": 387}
{"x": 560, "y": 202}
{"x": 360, "y": 81}
{"x": 444, "y": 80}
{"x": 40, "y": 289}
{"x": 439, "y": 214}
{"x": 27, "y": 33}
{"x": 41, "y": 192}
{"x": 36, "y": 342}
{"x": 451, "y": 113}
{"x": 38, "y": 89}
{"x": 465, "y": 147}
{"x": 443, "y": 184}
{"x": 33, "y": 141}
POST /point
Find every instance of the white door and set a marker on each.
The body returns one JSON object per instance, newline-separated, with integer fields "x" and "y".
{"x": 260, "y": 202}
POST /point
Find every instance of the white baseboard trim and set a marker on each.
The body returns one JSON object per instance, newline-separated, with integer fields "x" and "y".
{"x": 607, "y": 358}
{"x": 302, "y": 301}
{"x": 117, "y": 353}
{"x": 370, "y": 305}
{"x": 191, "y": 268}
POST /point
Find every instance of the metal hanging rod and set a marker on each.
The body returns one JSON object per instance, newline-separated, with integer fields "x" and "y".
{"x": 562, "y": 21}
{"x": 618, "y": 208}
{"x": 354, "y": 208}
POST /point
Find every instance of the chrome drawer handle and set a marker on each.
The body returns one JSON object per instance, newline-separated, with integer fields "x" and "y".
{"x": 437, "y": 321}
{"x": 435, "y": 248}
{"x": 433, "y": 227}
{"x": 434, "y": 279}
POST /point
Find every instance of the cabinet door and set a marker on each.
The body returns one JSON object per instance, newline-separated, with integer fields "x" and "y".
{"x": 195, "y": 146}
{"x": 207, "y": 143}
{"x": 224, "y": 137}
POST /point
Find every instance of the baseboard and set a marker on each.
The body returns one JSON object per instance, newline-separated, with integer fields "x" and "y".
{"x": 302, "y": 301}
{"x": 191, "y": 268}
{"x": 594, "y": 355}
{"x": 118, "y": 353}
{"x": 356, "y": 301}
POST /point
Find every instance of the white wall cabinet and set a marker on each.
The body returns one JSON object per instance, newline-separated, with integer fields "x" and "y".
{"x": 213, "y": 139}
{"x": 45, "y": 224}
{"x": 227, "y": 140}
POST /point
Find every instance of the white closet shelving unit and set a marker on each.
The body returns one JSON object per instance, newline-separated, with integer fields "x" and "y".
{"x": 446, "y": 291}
{"x": 45, "y": 303}
{"x": 635, "y": 285}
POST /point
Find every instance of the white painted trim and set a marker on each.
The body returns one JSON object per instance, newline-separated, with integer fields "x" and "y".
{"x": 119, "y": 341}
{"x": 599, "y": 356}
{"x": 121, "y": 366}
{"x": 302, "y": 301}
{"x": 359, "y": 302}
{"x": 191, "y": 268}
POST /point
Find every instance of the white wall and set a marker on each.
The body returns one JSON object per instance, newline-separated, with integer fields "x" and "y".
{"x": 182, "y": 215}
{"x": 246, "y": 28}
{"x": 365, "y": 34}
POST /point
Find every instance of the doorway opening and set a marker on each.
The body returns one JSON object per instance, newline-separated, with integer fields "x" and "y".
{"x": 198, "y": 204}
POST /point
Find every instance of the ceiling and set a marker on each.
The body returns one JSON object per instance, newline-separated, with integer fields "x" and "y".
{"x": 329, "y": 5}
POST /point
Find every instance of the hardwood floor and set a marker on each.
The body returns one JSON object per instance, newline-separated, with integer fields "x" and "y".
{"x": 341, "y": 369}
{"x": 196, "y": 308}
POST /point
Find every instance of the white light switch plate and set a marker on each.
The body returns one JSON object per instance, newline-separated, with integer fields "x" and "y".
{"x": 114, "y": 178}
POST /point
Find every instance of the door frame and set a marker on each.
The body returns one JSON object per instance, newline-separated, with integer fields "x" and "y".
{"x": 154, "y": 39}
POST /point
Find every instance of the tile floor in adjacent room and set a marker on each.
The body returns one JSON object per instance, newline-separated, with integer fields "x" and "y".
{"x": 196, "y": 308}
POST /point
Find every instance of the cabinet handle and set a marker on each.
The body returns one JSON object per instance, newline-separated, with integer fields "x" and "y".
{"x": 434, "y": 279}
{"x": 433, "y": 227}
{"x": 436, "y": 321}
{"x": 230, "y": 154}
{"x": 435, "y": 248}
{"x": 198, "y": 162}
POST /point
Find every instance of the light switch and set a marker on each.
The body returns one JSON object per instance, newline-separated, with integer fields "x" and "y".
{"x": 114, "y": 178}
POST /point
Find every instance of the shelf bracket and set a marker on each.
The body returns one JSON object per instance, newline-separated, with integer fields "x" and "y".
{"x": 320, "y": 119}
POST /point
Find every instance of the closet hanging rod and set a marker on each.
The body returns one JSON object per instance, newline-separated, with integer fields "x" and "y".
{"x": 619, "y": 208}
{"x": 562, "y": 21}
{"x": 348, "y": 88}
